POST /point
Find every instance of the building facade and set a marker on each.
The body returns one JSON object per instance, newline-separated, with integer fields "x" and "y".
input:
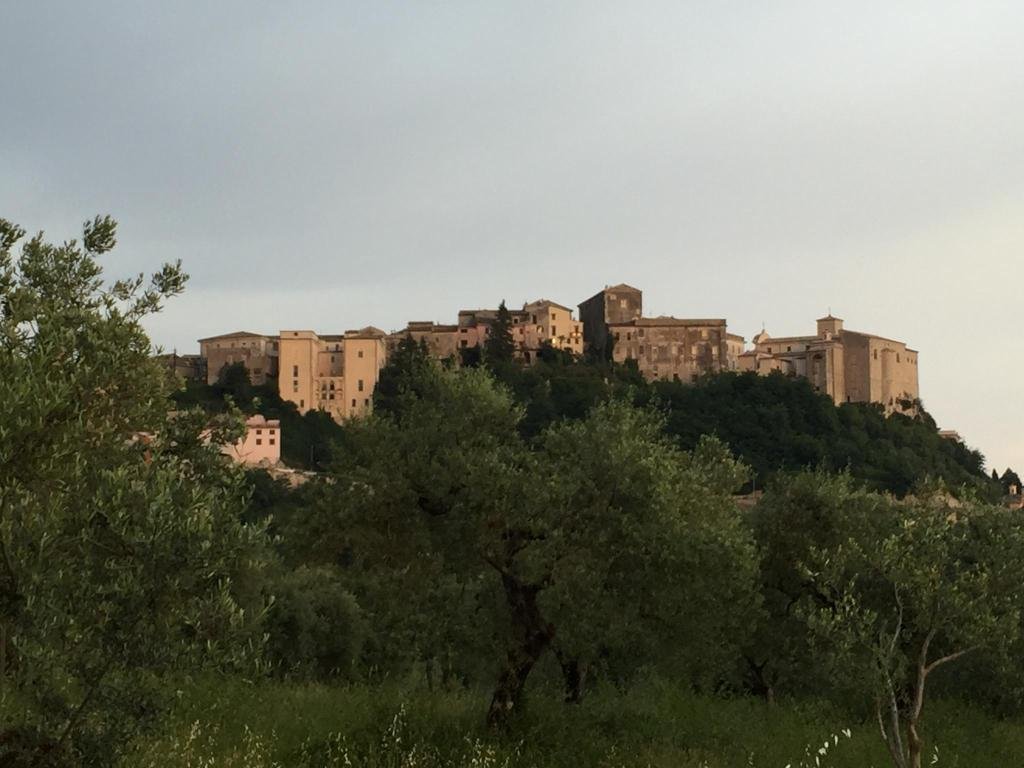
{"x": 671, "y": 348}
{"x": 615, "y": 305}
{"x": 257, "y": 352}
{"x": 333, "y": 373}
{"x": 848, "y": 366}
{"x": 441, "y": 340}
{"x": 261, "y": 445}
{"x": 662, "y": 347}
{"x": 538, "y": 324}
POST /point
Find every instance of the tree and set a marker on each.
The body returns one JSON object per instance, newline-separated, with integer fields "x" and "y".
{"x": 800, "y": 515}
{"x": 234, "y": 382}
{"x": 314, "y": 625}
{"x": 120, "y": 541}
{"x": 1009, "y": 481}
{"x": 499, "y": 348}
{"x": 598, "y": 541}
{"x": 944, "y": 583}
{"x": 404, "y": 369}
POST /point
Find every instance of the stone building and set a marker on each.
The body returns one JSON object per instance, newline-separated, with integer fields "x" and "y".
{"x": 334, "y": 373}
{"x": 735, "y": 346}
{"x": 188, "y": 367}
{"x": 537, "y": 324}
{"x": 670, "y": 347}
{"x": 615, "y": 304}
{"x": 441, "y": 340}
{"x": 848, "y": 366}
{"x": 257, "y": 352}
{"x": 663, "y": 347}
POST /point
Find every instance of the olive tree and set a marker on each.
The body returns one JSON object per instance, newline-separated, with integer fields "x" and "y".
{"x": 944, "y": 582}
{"x": 119, "y": 524}
{"x": 594, "y": 539}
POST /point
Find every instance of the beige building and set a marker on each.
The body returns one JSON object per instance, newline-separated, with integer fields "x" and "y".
{"x": 261, "y": 445}
{"x": 734, "y": 347}
{"x": 188, "y": 367}
{"x": 335, "y": 373}
{"x": 441, "y": 340}
{"x": 846, "y": 365}
{"x": 537, "y": 324}
{"x": 258, "y": 353}
{"x": 670, "y": 347}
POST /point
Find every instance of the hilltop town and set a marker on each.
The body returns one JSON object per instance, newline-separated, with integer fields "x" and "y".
{"x": 337, "y": 373}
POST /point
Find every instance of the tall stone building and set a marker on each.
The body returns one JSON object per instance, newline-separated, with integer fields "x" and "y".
{"x": 848, "y": 366}
{"x": 257, "y": 352}
{"x": 663, "y": 347}
{"x": 616, "y": 304}
{"x": 334, "y": 373}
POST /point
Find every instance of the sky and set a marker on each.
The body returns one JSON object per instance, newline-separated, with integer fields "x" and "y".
{"x": 332, "y": 165}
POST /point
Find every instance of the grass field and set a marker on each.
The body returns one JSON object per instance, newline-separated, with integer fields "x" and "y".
{"x": 231, "y": 723}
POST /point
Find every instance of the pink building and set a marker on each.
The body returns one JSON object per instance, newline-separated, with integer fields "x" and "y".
{"x": 261, "y": 445}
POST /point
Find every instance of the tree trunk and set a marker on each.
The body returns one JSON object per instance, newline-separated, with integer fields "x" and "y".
{"x": 915, "y": 746}
{"x": 533, "y": 636}
{"x": 574, "y": 676}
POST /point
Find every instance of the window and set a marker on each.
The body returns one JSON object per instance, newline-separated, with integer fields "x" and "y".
{"x": 295, "y": 370}
{"x": 465, "y": 342}
{"x": 360, "y": 353}
{"x": 259, "y": 431}
{"x": 295, "y": 386}
{"x": 332, "y": 358}
{"x": 258, "y": 441}
{"x": 302, "y": 403}
{"x": 330, "y": 396}
{"x": 366, "y": 401}
{"x": 272, "y": 441}
{"x": 353, "y": 402}
{"x": 553, "y": 331}
{"x": 360, "y": 385}
{"x": 789, "y": 349}
{"x": 271, "y": 432}
{"x": 876, "y": 354}
{"x": 622, "y": 303}
{"x": 897, "y": 357}
{"x": 640, "y": 333}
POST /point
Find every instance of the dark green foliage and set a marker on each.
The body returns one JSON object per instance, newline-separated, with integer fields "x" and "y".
{"x": 778, "y": 423}
{"x": 1009, "y": 481}
{"x": 441, "y": 504}
{"x": 314, "y": 626}
{"x": 121, "y": 550}
{"x": 405, "y": 370}
{"x": 499, "y": 348}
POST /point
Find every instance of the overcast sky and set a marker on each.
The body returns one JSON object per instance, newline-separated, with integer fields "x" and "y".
{"x": 331, "y": 165}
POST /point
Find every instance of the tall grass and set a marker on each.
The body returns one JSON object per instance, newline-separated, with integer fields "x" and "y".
{"x": 225, "y": 722}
